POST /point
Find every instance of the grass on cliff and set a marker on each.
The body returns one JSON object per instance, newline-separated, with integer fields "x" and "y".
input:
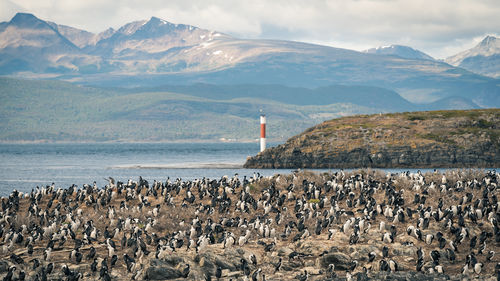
{"x": 449, "y": 127}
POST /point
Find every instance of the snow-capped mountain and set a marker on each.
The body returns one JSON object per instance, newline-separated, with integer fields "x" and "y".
{"x": 28, "y": 44}
{"x": 152, "y": 39}
{"x": 484, "y": 58}
{"x": 156, "y": 52}
{"x": 400, "y": 51}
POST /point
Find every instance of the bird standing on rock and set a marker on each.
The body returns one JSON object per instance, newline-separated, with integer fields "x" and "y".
{"x": 185, "y": 271}
{"x": 255, "y": 275}
{"x": 114, "y": 259}
{"x": 277, "y": 267}
{"x": 371, "y": 256}
{"x": 218, "y": 272}
{"x": 93, "y": 265}
{"x": 253, "y": 259}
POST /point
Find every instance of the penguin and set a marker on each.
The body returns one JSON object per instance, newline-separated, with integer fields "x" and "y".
{"x": 93, "y": 266}
{"x": 490, "y": 255}
{"x": 383, "y": 265}
{"x": 429, "y": 238}
{"x": 393, "y": 266}
{"x": 91, "y": 253}
{"x": 78, "y": 257}
{"x": 385, "y": 252}
{"x": 371, "y": 256}
{"x": 277, "y": 267}
{"x": 253, "y": 259}
{"x": 435, "y": 256}
{"x": 185, "y": 271}
{"x": 353, "y": 265}
{"x": 255, "y": 274}
{"x": 50, "y": 267}
{"x": 114, "y": 259}
{"x": 10, "y": 274}
{"x": 477, "y": 267}
{"x": 218, "y": 272}
{"x": 451, "y": 255}
{"x": 420, "y": 264}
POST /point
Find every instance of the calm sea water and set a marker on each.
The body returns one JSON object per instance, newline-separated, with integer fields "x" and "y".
{"x": 26, "y": 166}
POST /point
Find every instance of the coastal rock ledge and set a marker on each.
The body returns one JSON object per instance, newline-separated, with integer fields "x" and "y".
{"x": 428, "y": 139}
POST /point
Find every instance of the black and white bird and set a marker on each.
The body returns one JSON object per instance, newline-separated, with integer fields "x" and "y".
{"x": 114, "y": 259}
{"x": 10, "y": 273}
{"x": 256, "y": 274}
{"x": 277, "y": 267}
{"x": 253, "y": 259}
{"x": 385, "y": 252}
{"x": 490, "y": 255}
{"x": 218, "y": 272}
{"x": 478, "y": 267}
{"x": 185, "y": 271}
{"x": 93, "y": 265}
{"x": 371, "y": 256}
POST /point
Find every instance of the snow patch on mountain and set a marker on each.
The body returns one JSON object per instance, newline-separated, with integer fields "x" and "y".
{"x": 400, "y": 51}
{"x": 484, "y": 58}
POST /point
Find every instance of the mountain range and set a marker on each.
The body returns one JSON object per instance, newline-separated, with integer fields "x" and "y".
{"x": 156, "y": 52}
{"x": 180, "y": 69}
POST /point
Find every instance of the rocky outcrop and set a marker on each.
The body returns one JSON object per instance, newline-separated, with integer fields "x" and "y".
{"x": 408, "y": 140}
{"x": 164, "y": 269}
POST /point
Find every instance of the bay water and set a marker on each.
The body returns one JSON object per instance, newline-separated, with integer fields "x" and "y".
{"x": 26, "y": 166}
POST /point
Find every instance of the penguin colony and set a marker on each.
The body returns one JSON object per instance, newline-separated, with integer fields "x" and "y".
{"x": 283, "y": 227}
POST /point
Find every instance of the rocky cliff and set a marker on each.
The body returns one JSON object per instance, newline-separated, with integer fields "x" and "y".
{"x": 429, "y": 139}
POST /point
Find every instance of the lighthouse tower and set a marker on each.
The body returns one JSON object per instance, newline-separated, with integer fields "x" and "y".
{"x": 262, "y": 132}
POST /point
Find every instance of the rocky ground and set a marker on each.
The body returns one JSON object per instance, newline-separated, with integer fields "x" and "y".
{"x": 428, "y": 139}
{"x": 335, "y": 226}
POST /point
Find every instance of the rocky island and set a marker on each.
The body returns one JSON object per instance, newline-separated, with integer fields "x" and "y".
{"x": 357, "y": 225}
{"x": 428, "y": 139}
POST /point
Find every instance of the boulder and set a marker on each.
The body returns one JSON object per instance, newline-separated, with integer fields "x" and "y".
{"x": 401, "y": 250}
{"x": 284, "y": 251}
{"x": 312, "y": 248}
{"x": 339, "y": 259}
{"x": 230, "y": 259}
{"x": 360, "y": 252}
{"x": 291, "y": 265}
{"x": 162, "y": 270}
{"x": 407, "y": 276}
{"x": 4, "y": 266}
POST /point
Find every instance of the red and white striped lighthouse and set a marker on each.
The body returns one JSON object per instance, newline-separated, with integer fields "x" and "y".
{"x": 262, "y": 132}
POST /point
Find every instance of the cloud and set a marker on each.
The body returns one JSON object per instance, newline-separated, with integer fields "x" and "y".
{"x": 437, "y": 27}
{"x": 8, "y": 9}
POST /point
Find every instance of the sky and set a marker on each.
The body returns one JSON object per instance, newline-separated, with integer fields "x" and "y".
{"x": 440, "y": 28}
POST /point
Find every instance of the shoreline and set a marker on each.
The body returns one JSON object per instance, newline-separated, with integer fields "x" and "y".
{"x": 184, "y": 141}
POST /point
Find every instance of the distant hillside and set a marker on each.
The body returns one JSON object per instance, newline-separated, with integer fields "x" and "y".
{"x": 367, "y": 96}
{"x": 39, "y": 110}
{"x": 432, "y": 139}
{"x": 43, "y": 110}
